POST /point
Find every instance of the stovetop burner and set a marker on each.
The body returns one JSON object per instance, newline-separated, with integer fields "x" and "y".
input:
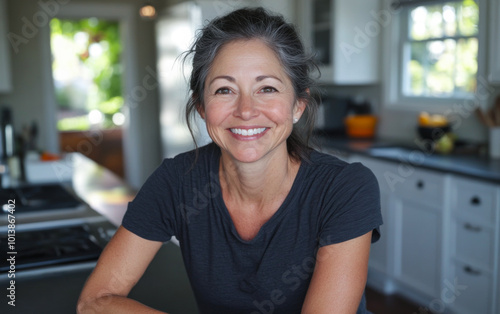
{"x": 40, "y": 197}
{"x": 52, "y": 246}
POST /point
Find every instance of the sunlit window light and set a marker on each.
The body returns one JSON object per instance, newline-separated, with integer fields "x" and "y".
{"x": 118, "y": 118}
{"x": 95, "y": 50}
{"x": 95, "y": 116}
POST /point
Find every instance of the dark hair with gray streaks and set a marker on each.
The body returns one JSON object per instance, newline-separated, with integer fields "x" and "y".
{"x": 282, "y": 38}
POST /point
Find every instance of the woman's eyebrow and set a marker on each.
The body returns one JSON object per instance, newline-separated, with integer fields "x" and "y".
{"x": 224, "y": 77}
{"x": 263, "y": 77}
{"x": 232, "y": 79}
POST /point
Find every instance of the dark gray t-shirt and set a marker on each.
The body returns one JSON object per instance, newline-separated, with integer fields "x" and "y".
{"x": 330, "y": 201}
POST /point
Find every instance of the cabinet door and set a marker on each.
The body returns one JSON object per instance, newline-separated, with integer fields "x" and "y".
{"x": 5, "y": 78}
{"x": 344, "y": 36}
{"x": 469, "y": 291}
{"x": 494, "y": 42}
{"x": 418, "y": 248}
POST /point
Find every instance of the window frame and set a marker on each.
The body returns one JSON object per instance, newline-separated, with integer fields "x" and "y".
{"x": 393, "y": 69}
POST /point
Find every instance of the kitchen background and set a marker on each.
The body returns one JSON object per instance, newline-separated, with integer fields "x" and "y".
{"x": 364, "y": 77}
{"x": 28, "y": 84}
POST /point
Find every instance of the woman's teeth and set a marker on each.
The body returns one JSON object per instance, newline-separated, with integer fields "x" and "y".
{"x": 248, "y": 132}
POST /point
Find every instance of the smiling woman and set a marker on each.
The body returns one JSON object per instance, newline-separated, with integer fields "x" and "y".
{"x": 266, "y": 224}
{"x": 249, "y": 102}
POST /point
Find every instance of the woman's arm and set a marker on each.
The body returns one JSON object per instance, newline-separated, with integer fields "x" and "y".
{"x": 120, "y": 266}
{"x": 339, "y": 278}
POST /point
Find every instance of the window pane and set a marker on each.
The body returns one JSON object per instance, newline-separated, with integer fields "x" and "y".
{"x": 468, "y": 18}
{"x": 431, "y": 68}
{"x": 426, "y": 22}
{"x": 465, "y": 77}
{"x": 442, "y": 56}
{"x": 450, "y": 19}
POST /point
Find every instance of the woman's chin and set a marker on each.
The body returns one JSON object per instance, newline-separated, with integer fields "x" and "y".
{"x": 247, "y": 157}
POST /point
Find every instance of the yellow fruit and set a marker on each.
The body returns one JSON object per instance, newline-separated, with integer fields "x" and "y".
{"x": 438, "y": 120}
{"x": 424, "y": 119}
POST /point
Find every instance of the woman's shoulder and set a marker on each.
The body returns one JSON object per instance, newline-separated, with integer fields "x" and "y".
{"x": 329, "y": 163}
{"x": 190, "y": 162}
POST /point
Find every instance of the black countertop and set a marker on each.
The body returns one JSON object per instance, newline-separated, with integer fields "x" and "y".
{"x": 474, "y": 164}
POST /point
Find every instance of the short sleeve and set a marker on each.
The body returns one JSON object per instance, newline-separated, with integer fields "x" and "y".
{"x": 352, "y": 206}
{"x": 151, "y": 215}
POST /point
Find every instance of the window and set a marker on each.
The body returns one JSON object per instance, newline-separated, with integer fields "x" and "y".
{"x": 439, "y": 50}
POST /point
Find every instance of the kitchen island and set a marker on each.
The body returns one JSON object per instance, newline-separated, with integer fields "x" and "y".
{"x": 55, "y": 288}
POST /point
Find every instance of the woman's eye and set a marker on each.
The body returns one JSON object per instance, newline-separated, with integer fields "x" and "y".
{"x": 223, "y": 90}
{"x": 268, "y": 89}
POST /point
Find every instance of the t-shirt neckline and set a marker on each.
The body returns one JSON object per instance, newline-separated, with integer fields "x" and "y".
{"x": 221, "y": 205}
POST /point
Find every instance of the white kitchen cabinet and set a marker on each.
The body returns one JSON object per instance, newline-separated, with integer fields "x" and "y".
{"x": 417, "y": 204}
{"x": 494, "y": 42}
{"x": 440, "y": 242}
{"x": 5, "y": 72}
{"x": 473, "y": 261}
{"x": 418, "y": 246}
{"x": 407, "y": 259}
{"x": 345, "y": 37}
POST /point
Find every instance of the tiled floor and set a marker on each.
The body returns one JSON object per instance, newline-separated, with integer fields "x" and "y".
{"x": 379, "y": 303}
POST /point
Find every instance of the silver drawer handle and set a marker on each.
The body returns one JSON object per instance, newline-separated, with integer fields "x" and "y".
{"x": 472, "y": 228}
{"x": 472, "y": 271}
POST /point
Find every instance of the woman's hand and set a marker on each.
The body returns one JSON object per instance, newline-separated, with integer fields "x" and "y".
{"x": 119, "y": 268}
{"x": 339, "y": 278}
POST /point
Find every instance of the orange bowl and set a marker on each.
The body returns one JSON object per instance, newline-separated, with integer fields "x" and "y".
{"x": 360, "y": 125}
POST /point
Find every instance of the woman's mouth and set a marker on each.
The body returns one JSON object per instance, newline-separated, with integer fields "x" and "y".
{"x": 247, "y": 132}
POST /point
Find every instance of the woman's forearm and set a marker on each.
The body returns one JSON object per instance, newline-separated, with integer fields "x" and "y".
{"x": 114, "y": 304}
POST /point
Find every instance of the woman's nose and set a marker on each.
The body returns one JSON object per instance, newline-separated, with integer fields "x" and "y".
{"x": 245, "y": 107}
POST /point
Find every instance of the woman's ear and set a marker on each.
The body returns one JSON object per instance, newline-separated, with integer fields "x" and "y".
{"x": 201, "y": 111}
{"x": 300, "y": 106}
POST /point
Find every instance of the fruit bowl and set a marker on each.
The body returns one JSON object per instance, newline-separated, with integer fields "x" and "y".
{"x": 433, "y": 133}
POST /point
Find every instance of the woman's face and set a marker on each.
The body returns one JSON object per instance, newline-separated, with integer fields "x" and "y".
{"x": 249, "y": 101}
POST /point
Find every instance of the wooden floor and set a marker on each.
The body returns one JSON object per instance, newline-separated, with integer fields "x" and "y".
{"x": 378, "y": 303}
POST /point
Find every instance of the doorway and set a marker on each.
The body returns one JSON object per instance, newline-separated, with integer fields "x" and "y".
{"x": 87, "y": 73}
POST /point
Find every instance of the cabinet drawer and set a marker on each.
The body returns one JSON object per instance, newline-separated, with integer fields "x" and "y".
{"x": 475, "y": 243}
{"x": 424, "y": 186}
{"x": 475, "y": 199}
{"x": 470, "y": 292}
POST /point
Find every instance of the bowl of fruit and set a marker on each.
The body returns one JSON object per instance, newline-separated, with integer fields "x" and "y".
{"x": 435, "y": 129}
{"x": 432, "y": 127}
